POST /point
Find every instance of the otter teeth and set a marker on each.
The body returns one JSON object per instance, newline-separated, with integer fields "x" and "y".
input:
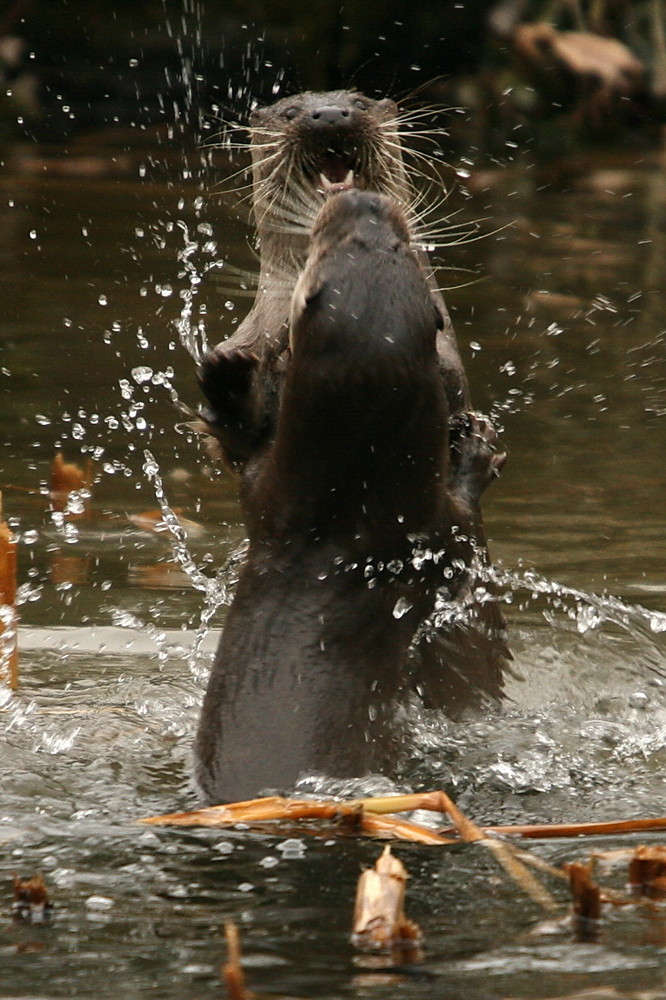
{"x": 330, "y": 187}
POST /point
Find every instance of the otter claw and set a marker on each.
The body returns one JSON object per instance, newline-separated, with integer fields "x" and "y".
{"x": 225, "y": 375}
{"x": 474, "y": 456}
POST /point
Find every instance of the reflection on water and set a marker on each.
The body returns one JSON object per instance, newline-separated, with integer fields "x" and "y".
{"x": 108, "y": 288}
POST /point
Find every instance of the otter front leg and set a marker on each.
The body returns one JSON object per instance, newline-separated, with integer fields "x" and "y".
{"x": 228, "y": 380}
{"x": 460, "y": 658}
{"x": 475, "y": 460}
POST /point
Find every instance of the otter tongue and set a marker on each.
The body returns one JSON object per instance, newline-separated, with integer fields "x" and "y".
{"x": 330, "y": 186}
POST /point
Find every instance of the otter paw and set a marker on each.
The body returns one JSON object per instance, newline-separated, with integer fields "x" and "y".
{"x": 225, "y": 376}
{"x": 475, "y": 459}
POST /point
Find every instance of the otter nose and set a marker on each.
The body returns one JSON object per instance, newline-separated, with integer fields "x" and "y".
{"x": 330, "y": 115}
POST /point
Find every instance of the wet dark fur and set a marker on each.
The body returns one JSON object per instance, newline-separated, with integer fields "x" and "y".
{"x": 356, "y": 516}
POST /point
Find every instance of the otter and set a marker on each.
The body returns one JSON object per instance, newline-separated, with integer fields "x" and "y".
{"x": 356, "y": 514}
{"x": 301, "y": 146}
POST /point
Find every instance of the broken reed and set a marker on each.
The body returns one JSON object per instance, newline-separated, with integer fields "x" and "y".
{"x": 8, "y": 615}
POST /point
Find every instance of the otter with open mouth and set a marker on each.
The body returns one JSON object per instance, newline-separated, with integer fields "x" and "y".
{"x": 356, "y": 517}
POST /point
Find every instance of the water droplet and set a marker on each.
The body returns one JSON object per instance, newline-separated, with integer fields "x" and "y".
{"x": 99, "y": 903}
{"x": 142, "y": 373}
{"x": 102, "y": 299}
{"x": 639, "y": 699}
{"x": 657, "y": 622}
{"x": 223, "y": 847}
{"x": 402, "y": 606}
{"x": 292, "y": 848}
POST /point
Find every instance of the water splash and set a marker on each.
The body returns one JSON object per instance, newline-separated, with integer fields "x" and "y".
{"x": 214, "y": 589}
{"x": 588, "y": 611}
{"x": 191, "y": 332}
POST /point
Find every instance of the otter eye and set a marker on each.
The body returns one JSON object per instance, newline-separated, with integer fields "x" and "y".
{"x": 361, "y": 105}
{"x": 291, "y": 113}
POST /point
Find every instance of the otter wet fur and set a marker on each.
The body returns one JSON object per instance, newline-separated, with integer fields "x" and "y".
{"x": 356, "y": 514}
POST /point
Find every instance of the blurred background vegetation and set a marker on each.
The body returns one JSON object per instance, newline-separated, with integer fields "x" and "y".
{"x": 518, "y": 70}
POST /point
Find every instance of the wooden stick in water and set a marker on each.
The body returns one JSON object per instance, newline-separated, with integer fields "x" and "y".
{"x": 295, "y": 810}
{"x": 9, "y": 621}
{"x": 547, "y": 831}
{"x": 258, "y": 810}
{"x": 232, "y": 970}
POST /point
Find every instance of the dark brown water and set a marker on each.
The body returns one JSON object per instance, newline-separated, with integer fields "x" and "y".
{"x": 564, "y": 340}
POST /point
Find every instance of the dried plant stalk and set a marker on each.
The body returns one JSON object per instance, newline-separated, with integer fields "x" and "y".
{"x": 350, "y": 815}
{"x": 647, "y": 871}
{"x": 585, "y": 892}
{"x": 9, "y": 617}
{"x": 276, "y": 808}
{"x": 68, "y": 478}
{"x": 380, "y": 923}
{"x": 232, "y": 970}
{"x": 31, "y": 899}
{"x": 543, "y": 831}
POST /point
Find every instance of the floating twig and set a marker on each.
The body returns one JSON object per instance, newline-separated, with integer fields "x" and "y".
{"x": 356, "y": 814}
{"x": 352, "y": 817}
{"x": 504, "y": 854}
{"x": 546, "y": 831}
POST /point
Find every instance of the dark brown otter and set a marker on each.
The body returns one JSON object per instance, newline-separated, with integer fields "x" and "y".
{"x": 300, "y": 146}
{"x": 356, "y": 516}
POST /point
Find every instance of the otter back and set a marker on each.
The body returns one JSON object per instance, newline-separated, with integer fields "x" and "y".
{"x": 352, "y": 522}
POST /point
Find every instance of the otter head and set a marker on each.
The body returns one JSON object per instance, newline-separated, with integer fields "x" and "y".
{"x": 350, "y": 220}
{"x": 304, "y": 146}
{"x": 362, "y": 215}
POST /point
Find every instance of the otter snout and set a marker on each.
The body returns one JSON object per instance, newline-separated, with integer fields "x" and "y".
{"x": 331, "y": 114}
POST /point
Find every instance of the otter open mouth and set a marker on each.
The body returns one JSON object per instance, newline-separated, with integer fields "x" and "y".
{"x": 329, "y": 186}
{"x": 336, "y": 172}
